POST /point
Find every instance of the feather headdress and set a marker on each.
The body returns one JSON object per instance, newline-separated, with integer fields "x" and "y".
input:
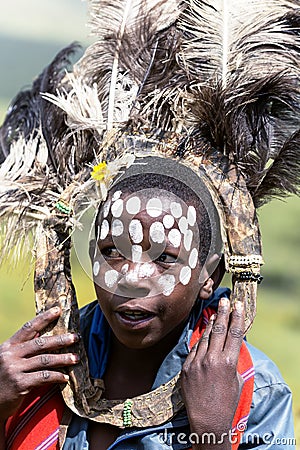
{"x": 211, "y": 84}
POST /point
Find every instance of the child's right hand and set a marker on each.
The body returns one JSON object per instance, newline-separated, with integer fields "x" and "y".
{"x": 26, "y": 361}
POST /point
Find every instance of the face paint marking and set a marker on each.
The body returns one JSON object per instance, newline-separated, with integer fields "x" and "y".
{"x": 133, "y": 205}
{"x": 157, "y": 232}
{"x": 185, "y": 275}
{"x": 124, "y": 269}
{"x": 168, "y": 221}
{"x": 167, "y": 282}
{"x": 116, "y": 196}
{"x": 191, "y": 216}
{"x": 176, "y": 210}
{"x": 154, "y": 207}
{"x": 136, "y": 231}
{"x": 105, "y": 208}
{"x": 117, "y": 208}
{"x": 136, "y": 252}
{"x": 96, "y": 268}
{"x": 146, "y": 270}
{"x": 183, "y": 225}
{"x": 117, "y": 228}
{"x": 187, "y": 240}
{"x": 193, "y": 259}
{"x": 104, "y": 229}
{"x": 175, "y": 237}
{"x": 110, "y": 278}
{"x": 132, "y": 276}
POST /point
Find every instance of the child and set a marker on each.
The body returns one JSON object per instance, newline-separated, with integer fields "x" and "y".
{"x": 155, "y": 288}
{"x": 185, "y": 143}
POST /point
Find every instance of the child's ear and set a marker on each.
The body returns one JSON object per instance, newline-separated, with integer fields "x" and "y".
{"x": 92, "y": 248}
{"x": 218, "y": 273}
{"x": 213, "y": 280}
{"x": 206, "y": 289}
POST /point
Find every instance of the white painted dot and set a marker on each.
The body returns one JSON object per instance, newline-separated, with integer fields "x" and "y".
{"x": 136, "y": 252}
{"x": 174, "y": 237}
{"x": 111, "y": 277}
{"x": 168, "y": 221}
{"x": 183, "y": 224}
{"x": 105, "y": 208}
{"x": 96, "y": 268}
{"x": 117, "y": 228}
{"x": 154, "y": 207}
{"x": 104, "y": 229}
{"x": 124, "y": 269}
{"x": 187, "y": 240}
{"x": 176, "y": 209}
{"x": 132, "y": 276}
{"x": 167, "y": 283}
{"x": 185, "y": 275}
{"x": 117, "y": 208}
{"x": 193, "y": 258}
{"x": 157, "y": 232}
{"x": 133, "y": 205}
{"x": 116, "y": 196}
{"x": 191, "y": 216}
{"x": 146, "y": 270}
{"x": 136, "y": 231}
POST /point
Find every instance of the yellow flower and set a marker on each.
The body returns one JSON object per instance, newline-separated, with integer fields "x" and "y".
{"x": 99, "y": 171}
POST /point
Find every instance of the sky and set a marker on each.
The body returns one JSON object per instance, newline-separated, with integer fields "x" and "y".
{"x": 31, "y": 33}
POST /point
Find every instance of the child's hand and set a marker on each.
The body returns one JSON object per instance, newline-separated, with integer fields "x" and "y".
{"x": 26, "y": 361}
{"x": 211, "y": 385}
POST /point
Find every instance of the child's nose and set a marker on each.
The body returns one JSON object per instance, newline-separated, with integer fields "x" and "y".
{"x": 136, "y": 281}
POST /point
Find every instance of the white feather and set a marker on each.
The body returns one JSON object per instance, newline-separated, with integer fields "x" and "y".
{"x": 225, "y": 36}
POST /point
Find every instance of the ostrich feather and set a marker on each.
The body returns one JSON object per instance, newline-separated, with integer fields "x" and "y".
{"x": 120, "y": 63}
{"x": 227, "y": 38}
{"x": 243, "y": 62}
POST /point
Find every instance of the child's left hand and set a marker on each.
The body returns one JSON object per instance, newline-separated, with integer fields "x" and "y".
{"x": 211, "y": 385}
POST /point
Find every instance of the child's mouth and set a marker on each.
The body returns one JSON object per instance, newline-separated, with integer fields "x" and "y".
{"x": 134, "y": 317}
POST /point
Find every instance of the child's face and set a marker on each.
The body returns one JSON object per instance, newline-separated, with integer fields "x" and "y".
{"x": 146, "y": 265}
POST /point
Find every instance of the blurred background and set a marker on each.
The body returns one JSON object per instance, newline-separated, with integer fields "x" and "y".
{"x": 31, "y": 33}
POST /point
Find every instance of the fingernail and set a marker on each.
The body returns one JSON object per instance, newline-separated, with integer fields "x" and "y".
{"x": 213, "y": 318}
{"x": 75, "y": 336}
{"x": 239, "y": 306}
{"x": 75, "y": 358}
{"x": 55, "y": 309}
{"x": 224, "y": 302}
{"x": 66, "y": 377}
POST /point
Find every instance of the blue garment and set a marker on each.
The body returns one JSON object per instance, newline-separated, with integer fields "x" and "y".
{"x": 270, "y": 424}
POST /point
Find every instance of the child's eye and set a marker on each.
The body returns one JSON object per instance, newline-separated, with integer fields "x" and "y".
{"x": 166, "y": 258}
{"x": 111, "y": 252}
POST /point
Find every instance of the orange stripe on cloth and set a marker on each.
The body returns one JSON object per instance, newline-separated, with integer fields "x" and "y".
{"x": 36, "y": 425}
{"x": 245, "y": 369}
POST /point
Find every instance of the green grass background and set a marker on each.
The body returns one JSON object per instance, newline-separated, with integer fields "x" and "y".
{"x": 30, "y": 36}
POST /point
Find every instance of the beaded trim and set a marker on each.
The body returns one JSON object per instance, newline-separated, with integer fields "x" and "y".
{"x": 63, "y": 208}
{"x": 246, "y": 267}
{"x": 245, "y": 260}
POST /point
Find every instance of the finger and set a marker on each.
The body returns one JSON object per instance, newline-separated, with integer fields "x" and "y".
{"x": 49, "y": 361}
{"x": 30, "y": 329}
{"x": 42, "y": 344}
{"x": 202, "y": 346}
{"x": 220, "y": 327}
{"x": 41, "y": 378}
{"x": 236, "y": 332}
